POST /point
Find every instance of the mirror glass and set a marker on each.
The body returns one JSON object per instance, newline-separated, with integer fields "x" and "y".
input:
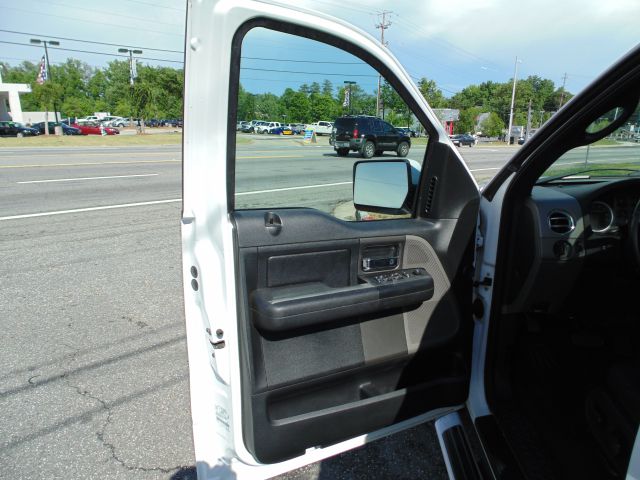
{"x": 605, "y": 120}
{"x": 381, "y": 184}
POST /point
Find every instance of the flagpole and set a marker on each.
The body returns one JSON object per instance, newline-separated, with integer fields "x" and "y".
{"x": 46, "y": 58}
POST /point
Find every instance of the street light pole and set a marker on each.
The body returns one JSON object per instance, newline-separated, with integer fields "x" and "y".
{"x": 131, "y": 74}
{"x": 513, "y": 98}
{"x": 349, "y": 83}
{"x": 55, "y": 43}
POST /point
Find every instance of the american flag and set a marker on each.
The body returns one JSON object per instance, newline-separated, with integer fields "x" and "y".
{"x": 42, "y": 73}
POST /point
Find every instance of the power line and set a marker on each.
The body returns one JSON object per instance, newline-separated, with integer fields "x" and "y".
{"x": 91, "y": 41}
{"x": 303, "y": 61}
{"x": 308, "y": 73}
{"x": 89, "y": 51}
{"x": 156, "y": 5}
{"x": 76, "y": 19}
{"x": 103, "y": 12}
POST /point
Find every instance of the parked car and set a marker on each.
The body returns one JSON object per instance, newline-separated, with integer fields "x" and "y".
{"x": 87, "y": 119}
{"x": 252, "y": 126}
{"x": 267, "y": 127}
{"x": 66, "y": 129}
{"x": 463, "y": 139}
{"x": 241, "y": 125}
{"x": 119, "y": 122}
{"x": 173, "y": 123}
{"x": 321, "y": 127}
{"x": 94, "y": 128}
{"x": 407, "y": 131}
{"x": 111, "y": 121}
{"x": 368, "y": 136}
{"x": 15, "y": 129}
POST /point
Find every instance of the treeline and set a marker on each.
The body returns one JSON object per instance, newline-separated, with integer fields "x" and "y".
{"x": 78, "y": 89}
{"x": 315, "y": 101}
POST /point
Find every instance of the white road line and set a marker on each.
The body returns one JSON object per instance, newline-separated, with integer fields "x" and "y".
{"x": 484, "y": 169}
{"x": 90, "y": 209}
{"x": 89, "y": 178}
{"x": 158, "y": 202}
{"x": 293, "y": 188}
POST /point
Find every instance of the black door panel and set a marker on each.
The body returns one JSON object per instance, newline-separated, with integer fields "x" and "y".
{"x": 322, "y": 366}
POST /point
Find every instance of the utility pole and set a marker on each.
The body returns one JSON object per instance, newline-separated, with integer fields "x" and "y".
{"x": 526, "y": 137}
{"x": 564, "y": 82}
{"x": 513, "y": 98}
{"x": 383, "y": 25}
{"x": 132, "y": 76}
{"x": 55, "y": 43}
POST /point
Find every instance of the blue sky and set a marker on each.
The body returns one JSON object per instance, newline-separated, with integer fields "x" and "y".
{"x": 454, "y": 42}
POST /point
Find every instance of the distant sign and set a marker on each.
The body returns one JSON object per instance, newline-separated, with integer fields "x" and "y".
{"x": 309, "y": 136}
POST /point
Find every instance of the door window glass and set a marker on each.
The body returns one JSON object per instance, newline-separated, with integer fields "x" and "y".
{"x": 286, "y": 79}
{"x": 604, "y": 157}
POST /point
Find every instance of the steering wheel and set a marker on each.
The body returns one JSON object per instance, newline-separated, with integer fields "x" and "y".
{"x": 634, "y": 233}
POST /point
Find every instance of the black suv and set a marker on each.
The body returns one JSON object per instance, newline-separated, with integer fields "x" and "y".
{"x": 367, "y": 135}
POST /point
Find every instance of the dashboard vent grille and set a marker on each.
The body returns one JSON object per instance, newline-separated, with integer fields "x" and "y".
{"x": 561, "y": 222}
{"x": 431, "y": 190}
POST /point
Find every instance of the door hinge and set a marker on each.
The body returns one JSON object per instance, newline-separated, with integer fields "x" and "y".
{"x": 485, "y": 282}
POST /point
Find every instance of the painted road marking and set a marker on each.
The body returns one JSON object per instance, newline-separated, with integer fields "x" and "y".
{"x": 90, "y": 178}
{"x": 90, "y": 209}
{"x": 484, "y": 169}
{"x": 81, "y": 164}
{"x": 157, "y": 202}
{"x": 173, "y": 160}
{"x": 286, "y": 189}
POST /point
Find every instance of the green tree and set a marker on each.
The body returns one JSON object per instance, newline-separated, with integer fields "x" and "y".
{"x": 73, "y": 106}
{"x": 431, "y": 93}
{"x": 47, "y": 96}
{"x": 296, "y": 106}
{"x": 468, "y": 120}
{"x": 492, "y": 125}
{"x": 327, "y": 88}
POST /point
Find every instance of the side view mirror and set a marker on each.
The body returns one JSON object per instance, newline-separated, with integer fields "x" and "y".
{"x": 385, "y": 186}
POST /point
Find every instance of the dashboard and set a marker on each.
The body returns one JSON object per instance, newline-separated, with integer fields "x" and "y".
{"x": 565, "y": 227}
{"x": 591, "y": 216}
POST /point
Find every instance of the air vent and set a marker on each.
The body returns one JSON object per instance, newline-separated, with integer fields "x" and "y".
{"x": 561, "y": 222}
{"x": 431, "y": 190}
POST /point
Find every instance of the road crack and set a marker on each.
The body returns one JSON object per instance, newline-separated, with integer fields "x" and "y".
{"x": 100, "y": 435}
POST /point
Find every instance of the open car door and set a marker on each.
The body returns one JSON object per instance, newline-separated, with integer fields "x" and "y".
{"x": 308, "y": 333}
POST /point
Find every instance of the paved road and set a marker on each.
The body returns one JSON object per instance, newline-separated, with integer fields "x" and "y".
{"x": 50, "y": 179}
{"x": 93, "y": 376}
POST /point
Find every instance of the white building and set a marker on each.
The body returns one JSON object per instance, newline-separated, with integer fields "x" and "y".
{"x": 10, "y": 108}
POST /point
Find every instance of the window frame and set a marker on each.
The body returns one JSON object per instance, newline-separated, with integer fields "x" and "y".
{"x": 417, "y": 209}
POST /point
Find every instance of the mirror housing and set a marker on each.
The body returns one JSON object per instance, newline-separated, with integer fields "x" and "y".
{"x": 385, "y": 186}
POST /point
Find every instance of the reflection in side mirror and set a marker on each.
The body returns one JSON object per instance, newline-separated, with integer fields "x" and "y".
{"x": 381, "y": 186}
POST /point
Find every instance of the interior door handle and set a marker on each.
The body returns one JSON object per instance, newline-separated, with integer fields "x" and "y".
{"x": 273, "y": 223}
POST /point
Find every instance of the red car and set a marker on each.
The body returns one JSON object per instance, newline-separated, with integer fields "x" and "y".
{"x": 95, "y": 129}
